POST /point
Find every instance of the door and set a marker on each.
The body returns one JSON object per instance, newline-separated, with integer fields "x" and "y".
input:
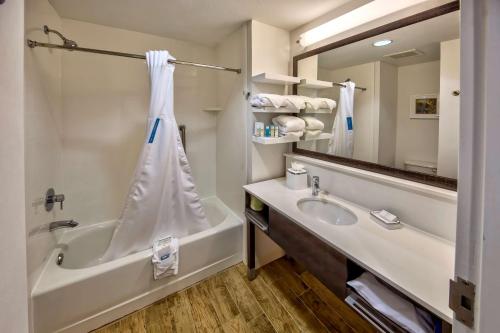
{"x": 478, "y": 229}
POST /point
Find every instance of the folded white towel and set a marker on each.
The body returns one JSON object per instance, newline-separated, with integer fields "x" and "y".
{"x": 289, "y": 123}
{"x": 296, "y": 134}
{"x": 165, "y": 257}
{"x": 393, "y": 306}
{"x": 313, "y": 133}
{"x": 313, "y": 123}
{"x": 320, "y": 103}
{"x": 278, "y": 101}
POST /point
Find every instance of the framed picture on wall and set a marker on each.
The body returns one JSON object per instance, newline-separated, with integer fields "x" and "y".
{"x": 424, "y": 106}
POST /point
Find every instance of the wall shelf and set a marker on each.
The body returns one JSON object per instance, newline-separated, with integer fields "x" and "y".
{"x": 322, "y": 136}
{"x": 315, "y": 84}
{"x": 271, "y": 78}
{"x": 272, "y": 141}
{"x": 273, "y": 110}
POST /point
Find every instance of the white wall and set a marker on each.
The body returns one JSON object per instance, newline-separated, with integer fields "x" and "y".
{"x": 44, "y": 130}
{"x": 417, "y": 139}
{"x": 422, "y": 206}
{"x": 13, "y": 286}
{"x": 105, "y": 101}
{"x": 231, "y": 121}
{"x": 269, "y": 52}
{"x": 449, "y": 106}
{"x": 386, "y": 109}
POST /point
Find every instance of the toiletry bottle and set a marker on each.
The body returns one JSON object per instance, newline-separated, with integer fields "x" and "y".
{"x": 268, "y": 131}
{"x": 272, "y": 131}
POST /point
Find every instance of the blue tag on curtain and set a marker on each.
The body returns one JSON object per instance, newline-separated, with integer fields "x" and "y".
{"x": 153, "y": 132}
{"x": 349, "y": 123}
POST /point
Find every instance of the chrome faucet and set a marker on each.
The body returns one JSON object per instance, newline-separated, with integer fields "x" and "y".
{"x": 315, "y": 186}
{"x": 62, "y": 224}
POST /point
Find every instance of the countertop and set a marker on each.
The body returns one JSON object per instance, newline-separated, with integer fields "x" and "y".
{"x": 418, "y": 264}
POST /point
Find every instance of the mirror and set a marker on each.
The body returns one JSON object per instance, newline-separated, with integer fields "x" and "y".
{"x": 404, "y": 111}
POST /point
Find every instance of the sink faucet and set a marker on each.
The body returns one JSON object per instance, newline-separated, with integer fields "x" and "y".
{"x": 62, "y": 224}
{"x": 315, "y": 186}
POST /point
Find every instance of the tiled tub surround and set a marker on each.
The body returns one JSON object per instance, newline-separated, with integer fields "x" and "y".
{"x": 416, "y": 263}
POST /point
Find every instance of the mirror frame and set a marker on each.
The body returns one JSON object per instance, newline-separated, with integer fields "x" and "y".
{"x": 438, "y": 181}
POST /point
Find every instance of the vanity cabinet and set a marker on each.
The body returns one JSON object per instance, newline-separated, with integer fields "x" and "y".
{"x": 319, "y": 258}
{"x": 322, "y": 260}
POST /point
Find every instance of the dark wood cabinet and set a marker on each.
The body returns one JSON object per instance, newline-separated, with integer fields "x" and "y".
{"x": 319, "y": 258}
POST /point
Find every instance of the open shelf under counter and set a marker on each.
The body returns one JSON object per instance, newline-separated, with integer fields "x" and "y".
{"x": 315, "y": 84}
{"x": 322, "y": 136}
{"x": 271, "y": 78}
{"x": 272, "y": 141}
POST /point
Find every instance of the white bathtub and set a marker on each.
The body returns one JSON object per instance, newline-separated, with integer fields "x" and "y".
{"x": 78, "y": 296}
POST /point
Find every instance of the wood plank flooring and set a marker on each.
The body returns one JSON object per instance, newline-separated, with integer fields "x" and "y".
{"x": 283, "y": 298}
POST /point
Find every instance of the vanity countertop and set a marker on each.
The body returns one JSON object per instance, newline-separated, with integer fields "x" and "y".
{"x": 416, "y": 263}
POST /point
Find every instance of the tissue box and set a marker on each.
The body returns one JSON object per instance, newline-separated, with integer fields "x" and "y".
{"x": 296, "y": 180}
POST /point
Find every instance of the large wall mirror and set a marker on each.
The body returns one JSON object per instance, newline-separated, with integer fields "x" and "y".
{"x": 402, "y": 116}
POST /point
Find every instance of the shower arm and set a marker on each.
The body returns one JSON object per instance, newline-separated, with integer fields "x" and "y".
{"x": 66, "y": 42}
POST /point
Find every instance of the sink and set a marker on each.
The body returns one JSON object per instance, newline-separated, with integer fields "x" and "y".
{"x": 326, "y": 211}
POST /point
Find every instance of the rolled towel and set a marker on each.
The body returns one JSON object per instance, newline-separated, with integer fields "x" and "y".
{"x": 262, "y": 100}
{"x": 313, "y": 123}
{"x": 289, "y": 123}
{"x": 320, "y": 103}
{"x": 278, "y": 101}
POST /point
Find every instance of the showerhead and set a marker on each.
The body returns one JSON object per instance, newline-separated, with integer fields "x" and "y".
{"x": 66, "y": 42}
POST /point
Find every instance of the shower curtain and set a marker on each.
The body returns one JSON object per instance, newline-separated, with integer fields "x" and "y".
{"x": 162, "y": 198}
{"x": 342, "y": 140}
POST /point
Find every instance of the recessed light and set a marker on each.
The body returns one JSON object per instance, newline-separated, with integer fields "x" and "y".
{"x": 382, "y": 42}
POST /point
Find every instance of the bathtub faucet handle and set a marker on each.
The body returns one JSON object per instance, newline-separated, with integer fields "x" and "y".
{"x": 51, "y": 198}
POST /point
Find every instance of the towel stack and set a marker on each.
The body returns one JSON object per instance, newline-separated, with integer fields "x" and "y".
{"x": 293, "y": 103}
{"x": 314, "y": 127}
{"x": 290, "y": 126}
{"x": 316, "y": 103}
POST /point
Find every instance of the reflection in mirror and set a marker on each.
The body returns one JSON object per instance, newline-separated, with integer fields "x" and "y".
{"x": 406, "y": 114}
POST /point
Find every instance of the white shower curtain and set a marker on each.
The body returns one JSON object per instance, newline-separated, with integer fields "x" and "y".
{"x": 162, "y": 198}
{"x": 342, "y": 140}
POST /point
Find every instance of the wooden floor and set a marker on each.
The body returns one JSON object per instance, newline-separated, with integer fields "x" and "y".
{"x": 283, "y": 298}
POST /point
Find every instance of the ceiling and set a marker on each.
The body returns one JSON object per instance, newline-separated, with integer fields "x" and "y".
{"x": 202, "y": 21}
{"x": 424, "y": 36}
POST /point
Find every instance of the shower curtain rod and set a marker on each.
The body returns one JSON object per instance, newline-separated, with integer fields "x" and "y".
{"x": 73, "y": 46}
{"x": 33, "y": 44}
{"x": 343, "y": 85}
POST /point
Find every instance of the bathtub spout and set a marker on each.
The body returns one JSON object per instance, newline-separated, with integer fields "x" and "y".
{"x": 62, "y": 224}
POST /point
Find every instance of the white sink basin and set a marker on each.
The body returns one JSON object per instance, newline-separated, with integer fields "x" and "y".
{"x": 326, "y": 211}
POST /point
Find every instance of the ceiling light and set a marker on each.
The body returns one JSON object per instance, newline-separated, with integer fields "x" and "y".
{"x": 382, "y": 42}
{"x": 373, "y": 10}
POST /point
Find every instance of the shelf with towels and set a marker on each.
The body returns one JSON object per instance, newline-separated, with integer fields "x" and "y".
{"x": 315, "y": 84}
{"x": 271, "y": 78}
{"x": 322, "y": 136}
{"x": 272, "y": 141}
